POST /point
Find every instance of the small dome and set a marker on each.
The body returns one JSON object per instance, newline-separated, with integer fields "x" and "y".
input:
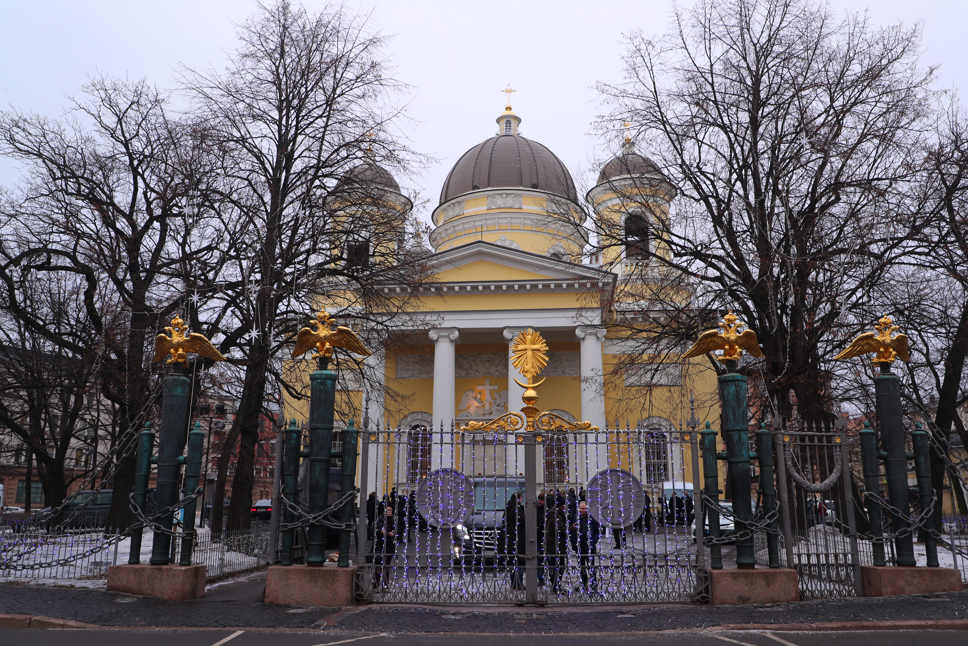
{"x": 369, "y": 174}
{"x": 628, "y": 163}
{"x": 509, "y": 161}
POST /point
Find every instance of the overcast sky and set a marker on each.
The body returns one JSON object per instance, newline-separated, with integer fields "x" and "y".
{"x": 458, "y": 56}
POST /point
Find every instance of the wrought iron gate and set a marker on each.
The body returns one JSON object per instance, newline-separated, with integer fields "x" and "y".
{"x": 818, "y": 520}
{"x": 516, "y": 517}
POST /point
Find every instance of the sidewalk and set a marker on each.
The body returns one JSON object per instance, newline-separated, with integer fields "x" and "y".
{"x": 239, "y": 605}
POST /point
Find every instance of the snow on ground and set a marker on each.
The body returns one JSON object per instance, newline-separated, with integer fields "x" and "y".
{"x": 90, "y": 570}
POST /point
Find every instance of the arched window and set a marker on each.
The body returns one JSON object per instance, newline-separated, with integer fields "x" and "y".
{"x": 556, "y": 459}
{"x": 654, "y": 456}
{"x": 636, "y": 236}
{"x": 507, "y": 126}
{"x": 418, "y": 460}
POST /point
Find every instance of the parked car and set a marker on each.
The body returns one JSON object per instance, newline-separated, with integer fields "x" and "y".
{"x": 480, "y": 539}
{"x": 262, "y": 510}
{"x": 4, "y": 511}
{"x": 86, "y": 510}
{"x": 726, "y": 525}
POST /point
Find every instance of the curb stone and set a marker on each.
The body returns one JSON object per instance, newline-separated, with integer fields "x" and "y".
{"x": 847, "y": 626}
{"x": 41, "y": 622}
{"x": 9, "y": 621}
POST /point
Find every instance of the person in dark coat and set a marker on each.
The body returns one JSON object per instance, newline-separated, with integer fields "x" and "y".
{"x": 572, "y": 505}
{"x": 370, "y": 514}
{"x": 401, "y": 508}
{"x": 585, "y": 532}
{"x": 514, "y": 541}
{"x": 556, "y": 544}
{"x": 385, "y": 547}
{"x": 540, "y": 526}
{"x": 647, "y": 514}
{"x": 411, "y": 514}
{"x": 620, "y": 539}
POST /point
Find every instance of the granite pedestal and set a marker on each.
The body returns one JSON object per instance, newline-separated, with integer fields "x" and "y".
{"x": 300, "y": 585}
{"x": 171, "y": 582}
{"x": 889, "y": 581}
{"x": 740, "y": 587}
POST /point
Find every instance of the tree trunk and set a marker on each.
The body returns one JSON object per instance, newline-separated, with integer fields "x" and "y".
{"x": 218, "y": 507}
{"x": 247, "y": 418}
{"x": 947, "y": 406}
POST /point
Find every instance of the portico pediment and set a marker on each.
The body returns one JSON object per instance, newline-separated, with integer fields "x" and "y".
{"x": 486, "y": 262}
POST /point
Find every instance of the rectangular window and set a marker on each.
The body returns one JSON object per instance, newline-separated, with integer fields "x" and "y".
{"x": 36, "y": 493}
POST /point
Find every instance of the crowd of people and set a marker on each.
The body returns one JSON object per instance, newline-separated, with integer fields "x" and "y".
{"x": 562, "y": 519}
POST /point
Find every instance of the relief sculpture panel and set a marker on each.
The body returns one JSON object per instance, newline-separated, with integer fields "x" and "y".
{"x": 489, "y": 364}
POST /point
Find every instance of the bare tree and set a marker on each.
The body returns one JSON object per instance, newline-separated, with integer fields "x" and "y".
{"x": 789, "y": 136}
{"x": 110, "y": 203}
{"x": 305, "y": 122}
{"x": 42, "y": 397}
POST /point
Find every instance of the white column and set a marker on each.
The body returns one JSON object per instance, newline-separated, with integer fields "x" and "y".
{"x": 374, "y": 370}
{"x": 445, "y": 397}
{"x": 514, "y": 456}
{"x": 593, "y": 392}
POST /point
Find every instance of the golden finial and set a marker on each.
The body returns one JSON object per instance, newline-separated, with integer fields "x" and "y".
{"x": 324, "y": 338}
{"x": 508, "y": 91}
{"x": 727, "y": 339}
{"x": 529, "y": 355}
{"x": 627, "y": 125}
{"x": 886, "y": 347}
{"x": 179, "y": 344}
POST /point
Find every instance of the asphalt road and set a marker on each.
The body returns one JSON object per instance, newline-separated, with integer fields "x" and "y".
{"x": 275, "y": 638}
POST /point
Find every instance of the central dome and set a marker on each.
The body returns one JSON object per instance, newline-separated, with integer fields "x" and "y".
{"x": 509, "y": 161}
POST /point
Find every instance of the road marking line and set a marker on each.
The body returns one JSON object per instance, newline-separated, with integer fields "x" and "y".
{"x": 229, "y": 638}
{"x": 727, "y": 639}
{"x": 346, "y": 641}
{"x": 775, "y": 638}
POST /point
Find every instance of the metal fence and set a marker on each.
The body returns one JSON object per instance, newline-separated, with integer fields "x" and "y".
{"x": 954, "y": 554}
{"x": 609, "y": 516}
{"x": 59, "y": 555}
{"x": 77, "y": 555}
{"x": 818, "y": 521}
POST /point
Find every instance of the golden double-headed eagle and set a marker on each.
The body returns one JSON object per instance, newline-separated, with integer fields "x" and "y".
{"x": 324, "y": 338}
{"x": 178, "y": 345}
{"x": 727, "y": 339}
{"x": 886, "y": 347}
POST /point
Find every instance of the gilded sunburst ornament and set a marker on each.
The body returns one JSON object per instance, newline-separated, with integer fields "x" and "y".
{"x": 529, "y": 353}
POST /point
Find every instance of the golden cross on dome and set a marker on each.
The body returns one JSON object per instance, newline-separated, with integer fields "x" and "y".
{"x": 508, "y": 91}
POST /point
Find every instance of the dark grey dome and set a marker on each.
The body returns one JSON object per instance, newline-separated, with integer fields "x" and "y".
{"x": 627, "y": 164}
{"x": 509, "y": 161}
{"x": 369, "y": 174}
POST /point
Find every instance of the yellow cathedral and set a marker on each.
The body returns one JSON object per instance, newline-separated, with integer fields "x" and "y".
{"x": 508, "y": 253}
